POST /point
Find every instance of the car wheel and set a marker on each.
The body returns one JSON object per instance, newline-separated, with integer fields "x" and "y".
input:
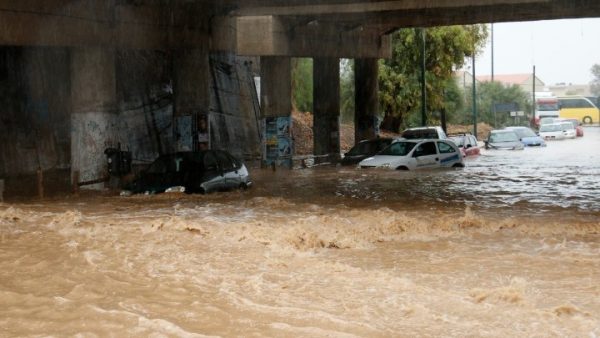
{"x": 587, "y": 120}
{"x": 458, "y": 165}
{"x": 403, "y": 168}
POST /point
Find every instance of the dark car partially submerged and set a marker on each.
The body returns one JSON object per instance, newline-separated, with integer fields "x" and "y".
{"x": 364, "y": 149}
{"x": 195, "y": 172}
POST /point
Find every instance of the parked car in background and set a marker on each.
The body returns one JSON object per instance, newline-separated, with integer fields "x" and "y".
{"x": 364, "y": 149}
{"x": 416, "y": 154}
{"x": 194, "y": 172}
{"x": 576, "y": 124}
{"x": 467, "y": 144}
{"x": 424, "y": 133}
{"x": 558, "y": 131}
{"x": 528, "y": 137}
{"x": 503, "y": 139}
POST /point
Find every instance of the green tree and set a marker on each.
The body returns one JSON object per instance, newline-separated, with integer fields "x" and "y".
{"x": 596, "y": 82}
{"x": 302, "y": 84}
{"x": 399, "y": 80}
{"x": 347, "y": 90}
{"x": 495, "y": 92}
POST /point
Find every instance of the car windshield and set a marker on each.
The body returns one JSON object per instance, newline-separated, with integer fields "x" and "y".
{"x": 366, "y": 148}
{"x": 567, "y": 126}
{"x": 458, "y": 140}
{"x": 524, "y": 132}
{"x": 550, "y": 128}
{"x": 508, "y": 136}
{"x": 413, "y": 134}
{"x": 547, "y": 120}
{"x": 398, "y": 149}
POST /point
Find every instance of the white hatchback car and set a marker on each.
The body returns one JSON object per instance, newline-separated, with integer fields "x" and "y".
{"x": 558, "y": 131}
{"x": 416, "y": 154}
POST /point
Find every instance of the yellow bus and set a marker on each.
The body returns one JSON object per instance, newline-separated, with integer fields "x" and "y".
{"x": 580, "y": 108}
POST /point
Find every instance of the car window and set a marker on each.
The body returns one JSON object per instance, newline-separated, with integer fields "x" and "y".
{"x": 398, "y": 149}
{"x": 210, "y": 162}
{"x": 445, "y": 148}
{"x": 237, "y": 163}
{"x": 503, "y": 137}
{"x": 420, "y": 133}
{"x": 159, "y": 166}
{"x": 224, "y": 161}
{"x": 459, "y": 140}
{"x": 424, "y": 149}
{"x": 473, "y": 141}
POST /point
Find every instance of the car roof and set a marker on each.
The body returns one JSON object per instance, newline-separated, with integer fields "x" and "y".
{"x": 424, "y": 128}
{"x": 502, "y": 131}
{"x": 377, "y": 139}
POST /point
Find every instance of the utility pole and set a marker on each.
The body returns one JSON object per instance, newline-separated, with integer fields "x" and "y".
{"x": 493, "y": 98}
{"x": 423, "y": 80}
{"x": 534, "y": 105}
{"x": 474, "y": 97}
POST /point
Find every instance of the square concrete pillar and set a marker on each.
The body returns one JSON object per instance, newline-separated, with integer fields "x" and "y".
{"x": 276, "y": 110}
{"x": 366, "y": 99}
{"x": 94, "y": 112}
{"x": 191, "y": 89}
{"x": 326, "y": 108}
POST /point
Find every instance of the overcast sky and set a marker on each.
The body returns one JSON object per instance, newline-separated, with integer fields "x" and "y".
{"x": 561, "y": 50}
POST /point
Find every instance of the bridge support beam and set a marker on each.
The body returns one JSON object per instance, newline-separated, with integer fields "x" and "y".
{"x": 276, "y": 102}
{"x": 93, "y": 116}
{"x": 326, "y": 108}
{"x": 366, "y": 99}
{"x": 191, "y": 93}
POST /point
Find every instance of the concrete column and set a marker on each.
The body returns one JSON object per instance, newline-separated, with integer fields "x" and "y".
{"x": 191, "y": 94}
{"x": 326, "y": 107}
{"x": 275, "y": 86}
{"x": 366, "y": 100}
{"x": 93, "y": 116}
{"x": 276, "y": 101}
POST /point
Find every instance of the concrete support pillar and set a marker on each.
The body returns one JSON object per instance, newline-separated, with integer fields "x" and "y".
{"x": 191, "y": 95}
{"x": 276, "y": 86}
{"x": 94, "y": 113}
{"x": 366, "y": 99}
{"x": 276, "y": 102}
{"x": 326, "y": 107}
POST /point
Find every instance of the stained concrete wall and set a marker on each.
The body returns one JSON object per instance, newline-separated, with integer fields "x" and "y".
{"x": 36, "y": 86}
{"x": 234, "y": 107}
{"x": 34, "y": 117}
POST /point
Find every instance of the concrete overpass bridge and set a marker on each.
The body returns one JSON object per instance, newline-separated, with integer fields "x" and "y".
{"x": 79, "y": 76}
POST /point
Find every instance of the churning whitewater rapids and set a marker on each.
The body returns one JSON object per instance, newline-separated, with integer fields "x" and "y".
{"x": 507, "y": 246}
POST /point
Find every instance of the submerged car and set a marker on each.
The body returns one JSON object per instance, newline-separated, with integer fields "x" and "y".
{"x": 528, "y": 137}
{"x": 467, "y": 144}
{"x": 416, "y": 154}
{"x": 364, "y": 149}
{"x": 503, "y": 139}
{"x": 192, "y": 172}
{"x": 558, "y": 131}
{"x": 576, "y": 125}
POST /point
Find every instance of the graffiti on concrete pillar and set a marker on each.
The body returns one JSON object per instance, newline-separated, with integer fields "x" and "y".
{"x": 203, "y": 132}
{"x": 183, "y": 133}
{"x": 277, "y": 143}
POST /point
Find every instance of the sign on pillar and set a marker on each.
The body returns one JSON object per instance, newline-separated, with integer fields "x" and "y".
{"x": 278, "y": 146}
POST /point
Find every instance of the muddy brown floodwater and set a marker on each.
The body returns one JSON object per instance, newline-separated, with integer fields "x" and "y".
{"x": 508, "y": 246}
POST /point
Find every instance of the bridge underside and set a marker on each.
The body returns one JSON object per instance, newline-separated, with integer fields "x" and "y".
{"x": 81, "y": 76}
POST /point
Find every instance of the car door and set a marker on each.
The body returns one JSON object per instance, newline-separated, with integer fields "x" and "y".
{"x": 426, "y": 155}
{"x": 448, "y": 155}
{"x": 213, "y": 176}
{"x": 229, "y": 170}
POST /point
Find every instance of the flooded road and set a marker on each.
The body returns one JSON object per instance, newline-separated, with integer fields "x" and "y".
{"x": 508, "y": 246}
